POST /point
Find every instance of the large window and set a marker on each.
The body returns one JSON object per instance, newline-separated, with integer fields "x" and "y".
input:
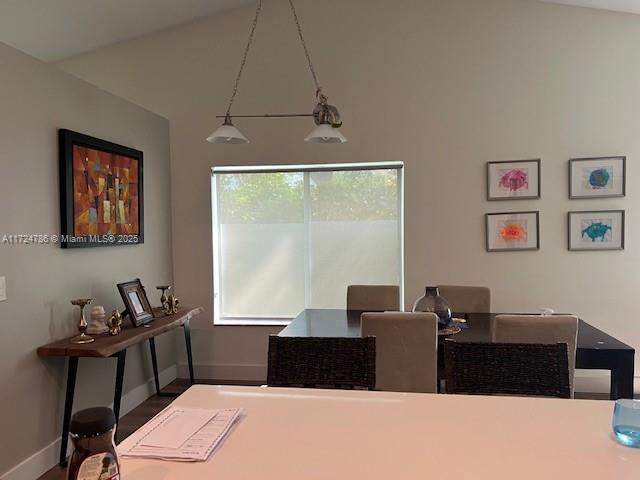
{"x": 287, "y": 238}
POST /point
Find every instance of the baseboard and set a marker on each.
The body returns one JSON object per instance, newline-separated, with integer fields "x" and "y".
{"x": 226, "y": 371}
{"x": 46, "y": 458}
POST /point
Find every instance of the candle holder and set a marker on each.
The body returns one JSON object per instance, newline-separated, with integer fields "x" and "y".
{"x": 82, "y": 326}
{"x": 163, "y": 298}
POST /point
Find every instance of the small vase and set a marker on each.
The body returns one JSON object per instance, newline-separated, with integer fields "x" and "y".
{"x": 433, "y": 302}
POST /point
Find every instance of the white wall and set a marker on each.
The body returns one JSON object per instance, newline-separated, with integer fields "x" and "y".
{"x": 36, "y": 100}
{"x": 444, "y": 86}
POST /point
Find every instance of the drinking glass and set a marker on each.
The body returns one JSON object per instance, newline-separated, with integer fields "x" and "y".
{"x": 626, "y": 422}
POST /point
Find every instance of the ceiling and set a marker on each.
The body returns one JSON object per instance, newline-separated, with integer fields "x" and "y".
{"x": 56, "y": 29}
{"x": 53, "y": 30}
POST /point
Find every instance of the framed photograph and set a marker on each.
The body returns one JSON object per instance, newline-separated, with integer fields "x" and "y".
{"x": 135, "y": 300}
{"x": 513, "y": 180}
{"x": 601, "y": 177}
{"x": 512, "y": 231}
{"x": 101, "y": 197}
{"x": 596, "y": 230}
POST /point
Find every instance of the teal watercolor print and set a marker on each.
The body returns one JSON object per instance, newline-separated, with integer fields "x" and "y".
{"x": 600, "y": 178}
{"x": 596, "y": 230}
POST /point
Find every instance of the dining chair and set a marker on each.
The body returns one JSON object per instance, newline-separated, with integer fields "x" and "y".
{"x": 406, "y": 350}
{"x": 327, "y": 362}
{"x": 539, "y": 329}
{"x": 521, "y": 369}
{"x": 373, "y": 298}
{"x": 467, "y": 299}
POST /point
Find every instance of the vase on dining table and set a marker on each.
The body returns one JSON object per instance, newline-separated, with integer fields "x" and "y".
{"x": 431, "y": 301}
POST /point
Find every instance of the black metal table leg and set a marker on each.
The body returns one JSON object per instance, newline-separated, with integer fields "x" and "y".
{"x": 622, "y": 376}
{"x": 119, "y": 378}
{"x": 154, "y": 362}
{"x": 187, "y": 339}
{"x": 68, "y": 407}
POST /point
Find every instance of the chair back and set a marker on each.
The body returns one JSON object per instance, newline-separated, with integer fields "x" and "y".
{"x": 539, "y": 329}
{"x": 373, "y": 298}
{"x": 465, "y": 299}
{"x": 522, "y": 369}
{"x": 406, "y": 350}
{"x": 328, "y": 362}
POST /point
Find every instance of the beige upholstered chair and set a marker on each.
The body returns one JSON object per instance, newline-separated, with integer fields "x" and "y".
{"x": 373, "y": 298}
{"x": 406, "y": 350}
{"x": 463, "y": 299}
{"x": 539, "y": 329}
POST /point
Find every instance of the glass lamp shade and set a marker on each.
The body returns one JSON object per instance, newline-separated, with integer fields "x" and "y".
{"x": 433, "y": 302}
{"x": 227, "y": 133}
{"x": 325, "y": 133}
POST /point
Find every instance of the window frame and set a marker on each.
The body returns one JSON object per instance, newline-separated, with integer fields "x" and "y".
{"x": 306, "y": 169}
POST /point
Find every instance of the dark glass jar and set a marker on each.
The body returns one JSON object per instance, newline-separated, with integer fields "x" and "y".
{"x": 94, "y": 457}
{"x": 433, "y": 302}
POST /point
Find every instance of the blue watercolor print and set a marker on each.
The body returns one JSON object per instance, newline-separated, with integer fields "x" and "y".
{"x": 599, "y": 178}
{"x": 597, "y": 230}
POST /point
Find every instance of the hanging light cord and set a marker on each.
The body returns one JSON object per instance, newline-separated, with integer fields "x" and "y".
{"x": 322, "y": 99}
{"x": 319, "y": 94}
{"x": 244, "y": 57}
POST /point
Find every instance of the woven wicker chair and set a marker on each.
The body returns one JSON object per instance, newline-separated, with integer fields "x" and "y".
{"x": 507, "y": 369}
{"x": 325, "y": 362}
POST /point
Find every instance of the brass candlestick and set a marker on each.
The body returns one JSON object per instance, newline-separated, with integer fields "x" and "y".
{"x": 82, "y": 326}
{"x": 163, "y": 298}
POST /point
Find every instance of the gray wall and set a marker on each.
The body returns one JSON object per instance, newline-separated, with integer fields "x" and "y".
{"x": 36, "y": 99}
{"x": 444, "y": 86}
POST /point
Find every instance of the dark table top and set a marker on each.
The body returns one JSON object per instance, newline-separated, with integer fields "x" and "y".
{"x": 346, "y": 323}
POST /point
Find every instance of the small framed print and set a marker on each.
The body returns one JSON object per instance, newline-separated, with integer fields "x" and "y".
{"x": 513, "y": 180}
{"x": 135, "y": 300}
{"x": 512, "y": 231}
{"x": 601, "y": 177}
{"x": 596, "y": 230}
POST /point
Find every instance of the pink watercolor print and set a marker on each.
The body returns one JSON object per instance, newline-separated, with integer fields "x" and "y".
{"x": 514, "y": 179}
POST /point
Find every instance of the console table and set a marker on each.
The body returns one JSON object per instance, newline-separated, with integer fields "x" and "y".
{"x": 107, "y": 346}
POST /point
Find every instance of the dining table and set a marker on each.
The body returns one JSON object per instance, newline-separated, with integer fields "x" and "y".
{"x": 291, "y": 433}
{"x": 595, "y": 348}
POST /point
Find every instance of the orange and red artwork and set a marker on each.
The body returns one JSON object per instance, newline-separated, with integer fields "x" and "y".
{"x": 513, "y": 232}
{"x": 105, "y": 193}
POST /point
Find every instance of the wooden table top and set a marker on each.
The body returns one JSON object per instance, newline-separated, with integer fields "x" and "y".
{"x": 106, "y": 345}
{"x": 288, "y": 433}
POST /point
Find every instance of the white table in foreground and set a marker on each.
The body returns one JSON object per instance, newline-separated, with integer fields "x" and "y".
{"x": 306, "y": 434}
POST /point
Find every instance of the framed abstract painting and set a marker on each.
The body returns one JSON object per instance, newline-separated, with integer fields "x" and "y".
{"x": 101, "y": 194}
{"x": 512, "y": 231}
{"x": 596, "y": 230}
{"x": 513, "y": 180}
{"x": 601, "y": 177}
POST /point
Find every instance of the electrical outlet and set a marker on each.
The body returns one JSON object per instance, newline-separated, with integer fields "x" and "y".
{"x": 3, "y": 289}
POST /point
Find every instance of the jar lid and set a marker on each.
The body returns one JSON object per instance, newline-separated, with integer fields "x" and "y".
{"x": 92, "y": 421}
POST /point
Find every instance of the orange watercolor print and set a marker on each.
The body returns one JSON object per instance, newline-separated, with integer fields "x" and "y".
{"x": 513, "y": 231}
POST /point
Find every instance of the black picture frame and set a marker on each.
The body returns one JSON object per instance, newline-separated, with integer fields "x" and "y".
{"x": 536, "y": 161}
{"x": 573, "y": 161}
{"x": 140, "y": 313}
{"x": 66, "y": 141}
{"x": 572, "y": 248}
{"x": 526, "y": 249}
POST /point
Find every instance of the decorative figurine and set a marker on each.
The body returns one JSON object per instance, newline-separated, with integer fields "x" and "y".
{"x": 115, "y": 322}
{"x": 82, "y": 326}
{"x": 98, "y": 323}
{"x": 172, "y": 304}
{"x": 169, "y": 303}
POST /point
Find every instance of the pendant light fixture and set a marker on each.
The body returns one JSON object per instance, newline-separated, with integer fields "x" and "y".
{"x": 325, "y": 116}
